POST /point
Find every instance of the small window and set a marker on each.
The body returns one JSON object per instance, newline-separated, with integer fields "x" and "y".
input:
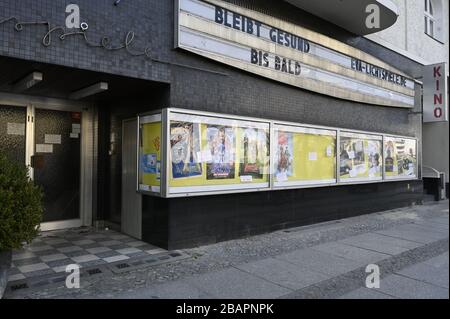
{"x": 433, "y": 19}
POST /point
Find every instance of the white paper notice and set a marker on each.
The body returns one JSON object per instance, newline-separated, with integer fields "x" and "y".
{"x": 410, "y": 169}
{"x": 312, "y": 156}
{"x": 15, "y": 129}
{"x": 74, "y": 135}
{"x": 246, "y": 179}
{"x": 360, "y": 169}
{"x": 329, "y": 151}
{"x": 155, "y": 189}
{"x": 351, "y": 155}
{"x": 44, "y": 148}
{"x": 204, "y": 156}
{"x": 52, "y": 139}
{"x": 282, "y": 177}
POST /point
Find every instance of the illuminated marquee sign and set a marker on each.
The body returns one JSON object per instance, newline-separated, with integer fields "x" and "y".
{"x": 287, "y": 53}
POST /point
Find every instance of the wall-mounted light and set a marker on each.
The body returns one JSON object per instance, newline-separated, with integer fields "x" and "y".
{"x": 116, "y": 3}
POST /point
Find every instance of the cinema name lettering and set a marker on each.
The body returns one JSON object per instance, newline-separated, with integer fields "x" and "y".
{"x": 280, "y": 37}
{"x": 262, "y": 58}
{"x": 275, "y": 49}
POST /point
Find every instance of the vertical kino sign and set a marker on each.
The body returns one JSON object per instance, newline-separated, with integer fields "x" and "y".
{"x": 435, "y": 91}
{"x": 287, "y": 53}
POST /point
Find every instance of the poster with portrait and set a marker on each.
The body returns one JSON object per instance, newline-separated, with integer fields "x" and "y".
{"x": 360, "y": 157}
{"x": 390, "y": 157}
{"x": 374, "y": 151}
{"x": 254, "y": 152}
{"x": 284, "y": 156}
{"x": 406, "y": 157}
{"x": 400, "y": 157}
{"x": 351, "y": 156}
{"x": 184, "y": 149}
{"x": 221, "y": 141}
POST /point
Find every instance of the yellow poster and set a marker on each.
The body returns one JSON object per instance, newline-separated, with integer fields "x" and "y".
{"x": 305, "y": 157}
{"x": 150, "y": 154}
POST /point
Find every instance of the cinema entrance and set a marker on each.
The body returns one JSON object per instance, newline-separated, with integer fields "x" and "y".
{"x": 51, "y": 138}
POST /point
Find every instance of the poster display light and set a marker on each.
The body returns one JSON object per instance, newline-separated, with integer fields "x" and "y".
{"x": 191, "y": 153}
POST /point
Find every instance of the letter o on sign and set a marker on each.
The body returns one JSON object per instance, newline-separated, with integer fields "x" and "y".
{"x": 437, "y": 112}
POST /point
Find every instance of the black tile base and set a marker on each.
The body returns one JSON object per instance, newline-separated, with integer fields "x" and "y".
{"x": 186, "y": 222}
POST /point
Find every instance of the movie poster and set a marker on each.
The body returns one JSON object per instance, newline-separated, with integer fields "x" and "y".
{"x": 400, "y": 157}
{"x": 285, "y": 152}
{"x": 406, "y": 157}
{"x": 254, "y": 152}
{"x": 221, "y": 143}
{"x": 374, "y": 154}
{"x": 352, "y": 157}
{"x": 185, "y": 145}
{"x": 390, "y": 157}
{"x": 149, "y": 155}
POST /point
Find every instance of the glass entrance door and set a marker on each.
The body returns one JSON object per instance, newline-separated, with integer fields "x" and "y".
{"x": 56, "y": 163}
{"x": 13, "y": 121}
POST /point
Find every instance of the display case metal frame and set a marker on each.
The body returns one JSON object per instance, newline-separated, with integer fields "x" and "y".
{"x": 166, "y": 115}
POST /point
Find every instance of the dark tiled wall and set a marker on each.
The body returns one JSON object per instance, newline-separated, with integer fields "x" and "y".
{"x": 231, "y": 91}
{"x": 196, "y": 221}
{"x": 151, "y": 20}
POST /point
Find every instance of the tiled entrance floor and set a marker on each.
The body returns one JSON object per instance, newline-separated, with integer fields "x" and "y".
{"x": 51, "y": 252}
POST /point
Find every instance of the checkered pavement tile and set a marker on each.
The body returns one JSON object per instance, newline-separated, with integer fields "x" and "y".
{"x": 51, "y": 252}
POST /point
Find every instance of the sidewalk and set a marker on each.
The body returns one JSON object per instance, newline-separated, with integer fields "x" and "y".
{"x": 328, "y": 260}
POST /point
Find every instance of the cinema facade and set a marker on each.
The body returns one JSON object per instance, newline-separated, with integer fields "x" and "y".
{"x": 190, "y": 122}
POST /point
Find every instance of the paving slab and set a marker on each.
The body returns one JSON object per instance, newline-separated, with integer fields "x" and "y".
{"x": 432, "y": 224}
{"x": 434, "y": 229}
{"x": 361, "y": 255}
{"x": 407, "y": 288}
{"x": 440, "y": 220}
{"x": 319, "y": 261}
{"x": 416, "y": 234}
{"x": 283, "y": 273}
{"x": 365, "y": 293}
{"x": 437, "y": 276}
{"x": 380, "y": 243}
{"x": 234, "y": 283}
{"x": 173, "y": 290}
{"x": 439, "y": 261}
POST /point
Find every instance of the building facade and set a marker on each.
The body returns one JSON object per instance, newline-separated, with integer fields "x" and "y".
{"x": 421, "y": 34}
{"x": 234, "y": 87}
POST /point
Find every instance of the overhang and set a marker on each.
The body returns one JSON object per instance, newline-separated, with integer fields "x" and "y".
{"x": 350, "y": 14}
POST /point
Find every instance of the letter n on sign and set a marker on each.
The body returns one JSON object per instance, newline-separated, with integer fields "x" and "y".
{"x": 435, "y": 93}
